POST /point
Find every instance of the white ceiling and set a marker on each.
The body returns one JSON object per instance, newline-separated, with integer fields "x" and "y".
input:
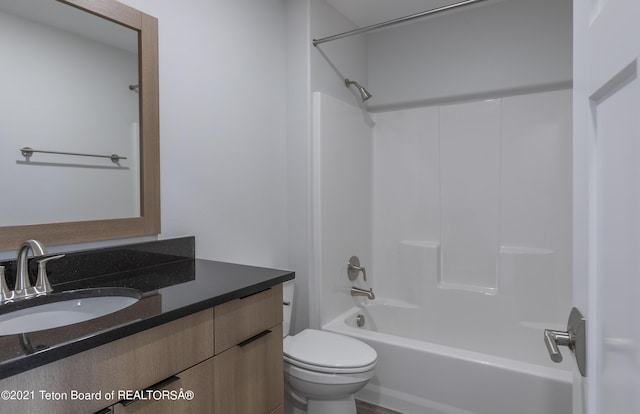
{"x": 367, "y": 12}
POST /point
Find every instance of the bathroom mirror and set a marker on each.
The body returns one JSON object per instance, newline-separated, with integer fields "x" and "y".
{"x": 68, "y": 103}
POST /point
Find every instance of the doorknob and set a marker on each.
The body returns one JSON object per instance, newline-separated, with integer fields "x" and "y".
{"x": 574, "y": 338}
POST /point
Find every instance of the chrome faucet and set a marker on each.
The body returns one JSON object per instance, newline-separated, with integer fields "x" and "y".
{"x": 22, "y": 287}
{"x": 363, "y": 292}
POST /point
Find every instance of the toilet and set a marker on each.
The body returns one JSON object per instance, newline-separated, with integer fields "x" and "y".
{"x": 322, "y": 370}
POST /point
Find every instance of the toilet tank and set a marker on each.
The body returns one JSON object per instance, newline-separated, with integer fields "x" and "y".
{"x": 287, "y": 306}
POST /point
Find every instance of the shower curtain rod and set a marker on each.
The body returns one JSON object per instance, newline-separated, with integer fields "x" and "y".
{"x": 365, "y": 29}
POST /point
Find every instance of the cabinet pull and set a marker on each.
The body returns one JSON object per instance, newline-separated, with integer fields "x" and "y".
{"x": 254, "y": 338}
{"x": 157, "y": 386}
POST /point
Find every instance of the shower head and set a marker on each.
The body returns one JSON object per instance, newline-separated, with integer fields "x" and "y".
{"x": 364, "y": 94}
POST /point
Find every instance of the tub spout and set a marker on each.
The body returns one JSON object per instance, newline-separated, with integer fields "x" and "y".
{"x": 363, "y": 292}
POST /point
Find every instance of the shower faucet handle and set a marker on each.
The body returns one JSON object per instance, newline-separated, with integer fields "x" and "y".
{"x": 354, "y": 268}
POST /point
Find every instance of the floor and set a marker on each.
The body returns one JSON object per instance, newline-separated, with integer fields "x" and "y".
{"x": 367, "y": 408}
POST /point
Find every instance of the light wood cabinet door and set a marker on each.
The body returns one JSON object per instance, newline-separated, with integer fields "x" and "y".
{"x": 165, "y": 398}
{"x": 249, "y": 377}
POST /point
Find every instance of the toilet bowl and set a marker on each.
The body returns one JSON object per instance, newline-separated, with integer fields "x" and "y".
{"x": 323, "y": 370}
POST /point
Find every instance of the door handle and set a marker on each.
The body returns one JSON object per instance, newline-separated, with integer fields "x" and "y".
{"x": 574, "y": 338}
{"x": 554, "y": 338}
{"x": 157, "y": 386}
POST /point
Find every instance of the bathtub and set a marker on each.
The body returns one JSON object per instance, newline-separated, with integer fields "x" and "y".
{"x": 456, "y": 368}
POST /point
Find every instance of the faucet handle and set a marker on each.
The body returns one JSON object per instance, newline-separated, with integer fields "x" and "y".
{"x": 353, "y": 268}
{"x": 5, "y": 293}
{"x": 43, "y": 286}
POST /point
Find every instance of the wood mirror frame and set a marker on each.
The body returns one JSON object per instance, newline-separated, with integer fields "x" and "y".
{"x": 148, "y": 223}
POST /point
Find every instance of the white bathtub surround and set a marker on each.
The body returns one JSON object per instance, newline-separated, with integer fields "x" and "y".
{"x": 418, "y": 270}
{"x": 342, "y": 199}
{"x": 466, "y": 238}
{"x": 470, "y": 194}
{"x": 475, "y": 178}
{"x": 527, "y": 279}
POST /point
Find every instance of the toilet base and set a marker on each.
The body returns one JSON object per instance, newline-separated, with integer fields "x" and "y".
{"x": 346, "y": 405}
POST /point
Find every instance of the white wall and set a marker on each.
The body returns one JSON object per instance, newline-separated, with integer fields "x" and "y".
{"x": 223, "y": 126}
{"x": 501, "y": 49}
{"x": 332, "y": 62}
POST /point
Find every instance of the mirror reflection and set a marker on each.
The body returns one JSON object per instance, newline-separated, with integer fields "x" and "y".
{"x": 69, "y": 82}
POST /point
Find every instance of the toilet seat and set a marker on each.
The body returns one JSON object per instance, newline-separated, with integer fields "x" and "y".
{"x": 328, "y": 352}
{"x": 329, "y": 370}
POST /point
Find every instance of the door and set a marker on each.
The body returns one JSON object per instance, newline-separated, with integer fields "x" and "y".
{"x": 607, "y": 202}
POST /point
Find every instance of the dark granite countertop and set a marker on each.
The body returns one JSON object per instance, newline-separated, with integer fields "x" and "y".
{"x": 173, "y": 286}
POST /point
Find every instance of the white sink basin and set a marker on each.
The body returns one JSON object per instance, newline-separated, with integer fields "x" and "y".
{"x": 65, "y": 308}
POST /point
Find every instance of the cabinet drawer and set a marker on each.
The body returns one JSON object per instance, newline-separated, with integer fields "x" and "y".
{"x": 248, "y": 378}
{"x": 130, "y": 363}
{"x": 241, "y": 319}
{"x": 198, "y": 379}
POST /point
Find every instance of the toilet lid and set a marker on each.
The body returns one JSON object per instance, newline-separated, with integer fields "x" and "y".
{"x": 328, "y": 349}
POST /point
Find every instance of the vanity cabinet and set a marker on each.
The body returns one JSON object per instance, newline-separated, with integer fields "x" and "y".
{"x": 198, "y": 379}
{"x": 131, "y": 363}
{"x": 248, "y": 364}
{"x": 229, "y": 356}
{"x": 246, "y": 374}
